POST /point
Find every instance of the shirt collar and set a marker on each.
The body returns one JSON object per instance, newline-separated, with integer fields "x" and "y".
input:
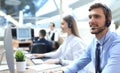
{"x": 52, "y": 30}
{"x": 69, "y": 37}
{"x": 104, "y": 38}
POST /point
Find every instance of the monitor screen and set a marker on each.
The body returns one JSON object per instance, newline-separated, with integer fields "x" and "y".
{"x": 23, "y": 33}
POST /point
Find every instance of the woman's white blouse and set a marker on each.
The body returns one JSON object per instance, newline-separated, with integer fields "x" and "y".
{"x": 71, "y": 49}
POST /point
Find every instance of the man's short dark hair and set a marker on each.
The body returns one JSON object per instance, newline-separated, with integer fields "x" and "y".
{"x": 53, "y": 24}
{"x": 106, "y": 10}
{"x": 104, "y": 7}
{"x": 42, "y": 32}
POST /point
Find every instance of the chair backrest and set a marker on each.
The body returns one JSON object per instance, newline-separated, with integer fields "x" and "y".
{"x": 39, "y": 48}
{"x": 34, "y": 39}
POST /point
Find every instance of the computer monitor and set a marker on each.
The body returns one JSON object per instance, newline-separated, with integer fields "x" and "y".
{"x": 9, "y": 49}
{"x": 23, "y": 33}
{"x": 32, "y": 32}
{"x": 14, "y": 33}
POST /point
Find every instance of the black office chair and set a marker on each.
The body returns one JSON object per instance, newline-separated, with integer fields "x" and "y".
{"x": 39, "y": 48}
{"x": 34, "y": 39}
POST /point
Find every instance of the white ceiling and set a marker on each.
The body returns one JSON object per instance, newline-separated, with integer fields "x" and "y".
{"x": 82, "y": 11}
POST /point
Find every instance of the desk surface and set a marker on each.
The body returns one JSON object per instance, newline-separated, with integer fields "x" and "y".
{"x": 30, "y": 63}
{"x": 17, "y": 42}
{"x": 27, "y": 71}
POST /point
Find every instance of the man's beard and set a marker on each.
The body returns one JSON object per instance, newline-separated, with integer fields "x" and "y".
{"x": 99, "y": 30}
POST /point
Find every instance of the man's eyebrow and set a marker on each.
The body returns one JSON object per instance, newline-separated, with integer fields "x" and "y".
{"x": 89, "y": 16}
{"x": 94, "y": 15}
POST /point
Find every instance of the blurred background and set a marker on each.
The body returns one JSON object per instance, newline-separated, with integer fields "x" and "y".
{"x": 37, "y": 14}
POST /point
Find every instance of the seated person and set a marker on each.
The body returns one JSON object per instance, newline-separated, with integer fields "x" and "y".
{"x": 72, "y": 47}
{"x": 41, "y": 39}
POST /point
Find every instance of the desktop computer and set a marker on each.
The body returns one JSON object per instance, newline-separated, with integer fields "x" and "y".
{"x": 9, "y": 49}
{"x": 17, "y": 33}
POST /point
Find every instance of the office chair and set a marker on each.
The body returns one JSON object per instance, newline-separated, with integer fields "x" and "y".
{"x": 34, "y": 39}
{"x": 39, "y": 48}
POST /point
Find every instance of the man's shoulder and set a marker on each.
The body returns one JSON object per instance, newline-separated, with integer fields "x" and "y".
{"x": 48, "y": 42}
{"x": 117, "y": 39}
{"x": 115, "y": 36}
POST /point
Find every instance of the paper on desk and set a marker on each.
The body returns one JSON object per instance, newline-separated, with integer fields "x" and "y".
{"x": 29, "y": 56}
{"x": 37, "y": 61}
{"x": 3, "y": 67}
{"x": 43, "y": 67}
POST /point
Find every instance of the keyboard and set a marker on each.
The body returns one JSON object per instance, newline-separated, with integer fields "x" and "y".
{"x": 37, "y": 61}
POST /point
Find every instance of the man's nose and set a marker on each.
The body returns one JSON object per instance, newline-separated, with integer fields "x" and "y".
{"x": 91, "y": 20}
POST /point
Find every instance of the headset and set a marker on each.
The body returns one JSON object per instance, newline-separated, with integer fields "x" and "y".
{"x": 106, "y": 9}
{"x": 70, "y": 22}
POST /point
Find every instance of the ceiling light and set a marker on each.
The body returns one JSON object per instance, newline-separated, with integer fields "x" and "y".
{"x": 12, "y": 2}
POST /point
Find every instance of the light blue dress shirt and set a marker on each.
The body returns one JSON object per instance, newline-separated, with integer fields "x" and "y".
{"x": 110, "y": 55}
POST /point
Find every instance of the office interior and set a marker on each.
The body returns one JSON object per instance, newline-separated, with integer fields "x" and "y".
{"x": 33, "y": 15}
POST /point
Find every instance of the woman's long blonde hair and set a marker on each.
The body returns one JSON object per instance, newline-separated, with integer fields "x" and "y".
{"x": 72, "y": 24}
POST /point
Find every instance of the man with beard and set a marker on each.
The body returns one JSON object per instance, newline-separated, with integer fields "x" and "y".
{"x": 105, "y": 56}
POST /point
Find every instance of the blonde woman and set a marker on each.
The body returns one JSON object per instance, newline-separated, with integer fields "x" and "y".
{"x": 72, "y": 47}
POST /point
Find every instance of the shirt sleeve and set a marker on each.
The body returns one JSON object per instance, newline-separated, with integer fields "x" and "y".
{"x": 76, "y": 51}
{"x": 54, "y": 54}
{"x": 79, "y": 63}
{"x": 113, "y": 64}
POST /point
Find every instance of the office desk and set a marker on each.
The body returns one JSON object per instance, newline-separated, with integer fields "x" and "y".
{"x": 27, "y": 71}
{"x": 17, "y": 44}
{"x": 30, "y": 63}
{"x": 33, "y": 71}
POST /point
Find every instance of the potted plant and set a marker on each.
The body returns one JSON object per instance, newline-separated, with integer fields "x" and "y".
{"x": 20, "y": 61}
